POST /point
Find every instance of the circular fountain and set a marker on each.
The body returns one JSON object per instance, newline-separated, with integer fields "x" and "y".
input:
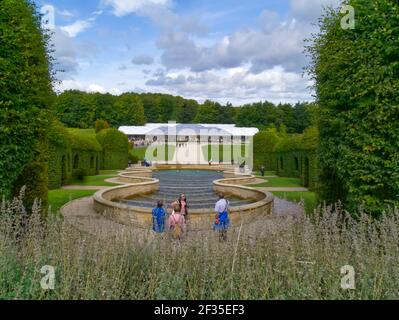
{"x": 131, "y": 203}
{"x": 197, "y": 185}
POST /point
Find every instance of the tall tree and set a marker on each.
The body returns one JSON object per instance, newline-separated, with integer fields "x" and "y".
{"x": 130, "y": 110}
{"x": 207, "y": 112}
{"x": 188, "y": 112}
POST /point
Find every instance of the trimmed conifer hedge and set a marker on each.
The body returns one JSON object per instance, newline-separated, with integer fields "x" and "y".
{"x": 86, "y": 152}
{"x": 115, "y": 149}
{"x": 296, "y": 156}
{"x": 264, "y": 143}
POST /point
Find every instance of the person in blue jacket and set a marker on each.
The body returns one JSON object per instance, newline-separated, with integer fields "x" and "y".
{"x": 158, "y": 218}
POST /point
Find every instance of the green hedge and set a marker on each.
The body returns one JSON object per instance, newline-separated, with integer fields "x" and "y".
{"x": 264, "y": 143}
{"x": 86, "y": 152}
{"x": 34, "y": 177}
{"x": 60, "y": 155}
{"x": 115, "y": 149}
{"x": 296, "y": 156}
{"x": 356, "y": 72}
{"x": 25, "y": 99}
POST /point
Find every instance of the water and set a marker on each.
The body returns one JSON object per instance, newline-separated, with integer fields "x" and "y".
{"x": 195, "y": 184}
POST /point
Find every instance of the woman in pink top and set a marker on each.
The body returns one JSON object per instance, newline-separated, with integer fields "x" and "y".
{"x": 177, "y": 223}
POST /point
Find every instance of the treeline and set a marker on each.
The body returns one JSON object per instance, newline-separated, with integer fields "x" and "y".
{"x": 79, "y": 109}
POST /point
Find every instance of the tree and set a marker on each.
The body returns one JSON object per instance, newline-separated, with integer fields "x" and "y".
{"x": 357, "y": 83}
{"x": 77, "y": 109}
{"x": 207, "y": 112}
{"x": 25, "y": 101}
{"x": 129, "y": 110}
{"x": 188, "y": 112}
{"x": 252, "y": 116}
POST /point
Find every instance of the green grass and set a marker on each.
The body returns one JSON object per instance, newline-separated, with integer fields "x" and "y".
{"x": 139, "y": 152}
{"x": 109, "y": 172}
{"x": 98, "y": 180}
{"x": 216, "y": 152}
{"x": 267, "y": 173}
{"x": 157, "y": 154}
{"x": 309, "y": 198}
{"x": 280, "y": 182}
{"x": 57, "y": 198}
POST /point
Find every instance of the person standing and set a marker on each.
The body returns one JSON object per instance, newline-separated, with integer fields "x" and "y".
{"x": 177, "y": 222}
{"x": 183, "y": 205}
{"x": 222, "y": 221}
{"x": 158, "y": 218}
{"x": 262, "y": 171}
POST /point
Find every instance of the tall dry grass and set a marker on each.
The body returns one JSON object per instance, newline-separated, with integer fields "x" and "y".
{"x": 278, "y": 258}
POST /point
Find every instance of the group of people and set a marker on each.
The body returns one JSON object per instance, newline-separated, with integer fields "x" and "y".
{"x": 176, "y": 222}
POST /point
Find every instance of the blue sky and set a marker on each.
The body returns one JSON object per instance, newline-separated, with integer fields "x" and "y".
{"x": 225, "y": 50}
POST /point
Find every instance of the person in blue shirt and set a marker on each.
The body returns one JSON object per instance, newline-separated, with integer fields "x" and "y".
{"x": 158, "y": 218}
{"x": 222, "y": 221}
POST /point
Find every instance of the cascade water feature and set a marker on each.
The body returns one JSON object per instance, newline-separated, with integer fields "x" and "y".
{"x": 195, "y": 184}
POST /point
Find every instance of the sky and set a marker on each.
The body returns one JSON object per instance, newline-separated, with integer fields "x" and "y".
{"x": 224, "y": 50}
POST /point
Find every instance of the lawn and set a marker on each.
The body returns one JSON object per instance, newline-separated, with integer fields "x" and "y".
{"x": 308, "y": 197}
{"x": 57, "y": 198}
{"x": 98, "y": 180}
{"x": 267, "y": 173}
{"x": 155, "y": 153}
{"x": 280, "y": 182}
{"x": 216, "y": 152}
{"x": 139, "y": 152}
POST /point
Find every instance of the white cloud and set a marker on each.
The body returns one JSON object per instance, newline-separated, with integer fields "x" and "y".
{"x": 271, "y": 45}
{"x": 65, "y": 13}
{"x": 81, "y": 25}
{"x": 124, "y": 7}
{"x": 237, "y": 85}
{"x": 263, "y": 62}
{"x": 77, "y": 85}
{"x": 96, "y": 88}
{"x": 77, "y": 27}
